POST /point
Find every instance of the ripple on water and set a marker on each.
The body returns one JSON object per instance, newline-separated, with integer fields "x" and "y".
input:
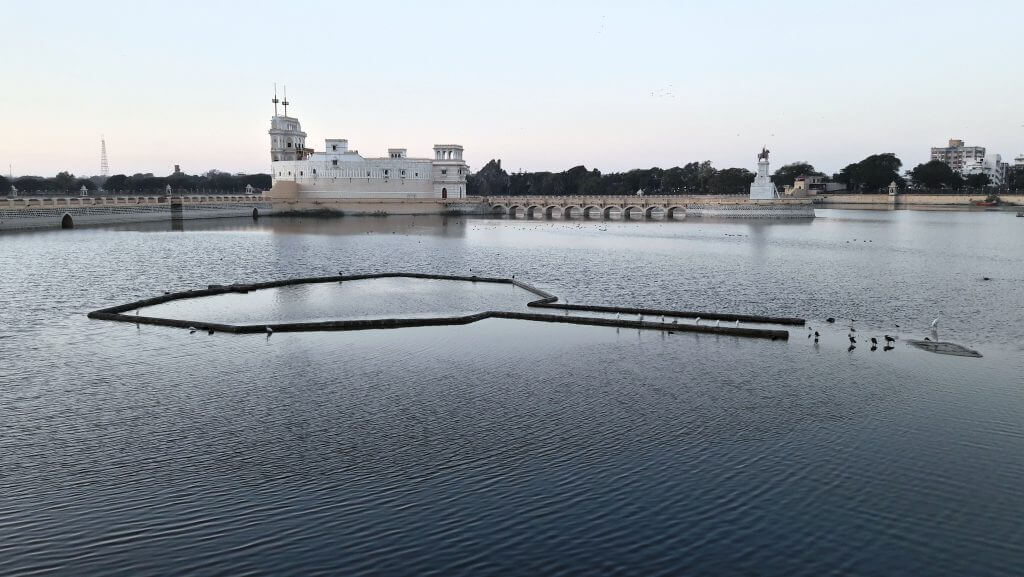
{"x": 508, "y": 447}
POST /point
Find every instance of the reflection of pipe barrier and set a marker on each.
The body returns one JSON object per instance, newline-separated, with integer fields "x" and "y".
{"x": 546, "y": 300}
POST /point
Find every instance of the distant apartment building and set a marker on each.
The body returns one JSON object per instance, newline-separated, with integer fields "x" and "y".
{"x": 956, "y": 155}
{"x": 1019, "y": 161}
{"x": 991, "y": 164}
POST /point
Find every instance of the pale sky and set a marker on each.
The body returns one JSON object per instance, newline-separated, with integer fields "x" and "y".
{"x": 542, "y": 85}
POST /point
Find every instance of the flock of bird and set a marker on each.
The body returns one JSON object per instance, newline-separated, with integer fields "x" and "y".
{"x": 890, "y": 341}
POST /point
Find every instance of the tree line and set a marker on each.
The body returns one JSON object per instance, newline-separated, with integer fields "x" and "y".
{"x": 67, "y": 183}
{"x": 693, "y": 178}
{"x": 872, "y": 174}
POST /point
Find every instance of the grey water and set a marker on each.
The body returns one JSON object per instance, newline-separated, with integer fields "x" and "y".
{"x": 509, "y": 447}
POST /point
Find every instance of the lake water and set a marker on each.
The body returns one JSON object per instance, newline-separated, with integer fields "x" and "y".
{"x": 510, "y": 447}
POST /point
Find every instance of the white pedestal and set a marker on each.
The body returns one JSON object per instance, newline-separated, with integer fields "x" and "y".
{"x": 762, "y": 188}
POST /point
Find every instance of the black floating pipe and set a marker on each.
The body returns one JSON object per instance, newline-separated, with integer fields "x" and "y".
{"x": 546, "y": 300}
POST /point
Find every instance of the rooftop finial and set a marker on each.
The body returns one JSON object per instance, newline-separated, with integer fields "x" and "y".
{"x": 275, "y": 100}
{"x": 285, "y": 101}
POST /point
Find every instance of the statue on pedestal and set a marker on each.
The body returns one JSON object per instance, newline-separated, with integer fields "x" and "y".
{"x": 763, "y": 188}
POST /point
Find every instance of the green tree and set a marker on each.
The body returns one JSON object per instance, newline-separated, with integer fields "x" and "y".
{"x": 88, "y": 184}
{"x": 64, "y": 181}
{"x": 977, "y": 180}
{"x": 488, "y": 181}
{"x": 788, "y": 174}
{"x": 28, "y": 184}
{"x": 1015, "y": 178}
{"x": 934, "y": 174}
{"x": 116, "y": 183}
{"x": 731, "y": 181}
{"x": 873, "y": 173}
{"x": 5, "y": 185}
{"x": 575, "y": 178}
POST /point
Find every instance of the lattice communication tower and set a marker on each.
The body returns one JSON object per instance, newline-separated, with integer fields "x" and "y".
{"x": 104, "y": 167}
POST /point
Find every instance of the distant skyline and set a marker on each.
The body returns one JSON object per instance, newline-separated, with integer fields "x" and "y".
{"x": 542, "y": 86}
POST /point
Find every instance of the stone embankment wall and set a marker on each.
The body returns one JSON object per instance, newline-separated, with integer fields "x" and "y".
{"x": 906, "y": 200}
{"x": 32, "y": 212}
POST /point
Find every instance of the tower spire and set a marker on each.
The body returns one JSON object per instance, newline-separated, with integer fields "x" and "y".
{"x": 275, "y": 100}
{"x": 285, "y": 101}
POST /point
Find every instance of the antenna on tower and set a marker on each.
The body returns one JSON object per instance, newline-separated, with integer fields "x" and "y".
{"x": 104, "y": 167}
{"x": 275, "y": 100}
{"x": 285, "y": 101}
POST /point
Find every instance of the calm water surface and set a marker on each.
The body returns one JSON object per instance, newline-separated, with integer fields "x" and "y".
{"x": 508, "y": 447}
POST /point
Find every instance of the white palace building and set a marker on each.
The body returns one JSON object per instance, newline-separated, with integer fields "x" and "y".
{"x": 339, "y": 173}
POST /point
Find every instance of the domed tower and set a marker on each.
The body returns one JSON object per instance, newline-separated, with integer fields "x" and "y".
{"x": 287, "y": 140}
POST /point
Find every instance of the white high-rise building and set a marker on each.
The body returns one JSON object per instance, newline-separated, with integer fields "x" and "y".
{"x": 1019, "y": 161}
{"x": 991, "y": 164}
{"x": 956, "y": 155}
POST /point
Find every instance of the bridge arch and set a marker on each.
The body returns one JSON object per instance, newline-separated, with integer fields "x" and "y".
{"x": 592, "y": 211}
{"x": 513, "y": 211}
{"x": 567, "y": 212}
{"x": 627, "y": 210}
{"x": 499, "y": 209}
{"x": 674, "y": 212}
{"x": 532, "y": 211}
{"x": 606, "y": 212}
{"x": 549, "y": 212}
{"x": 66, "y": 221}
{"x": 653, "y": 212}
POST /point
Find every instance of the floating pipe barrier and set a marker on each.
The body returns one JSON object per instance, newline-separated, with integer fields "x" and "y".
{"x": 546, "y": 300}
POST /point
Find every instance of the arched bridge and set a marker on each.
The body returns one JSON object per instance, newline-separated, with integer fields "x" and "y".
{"x": 591, "y": 207}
